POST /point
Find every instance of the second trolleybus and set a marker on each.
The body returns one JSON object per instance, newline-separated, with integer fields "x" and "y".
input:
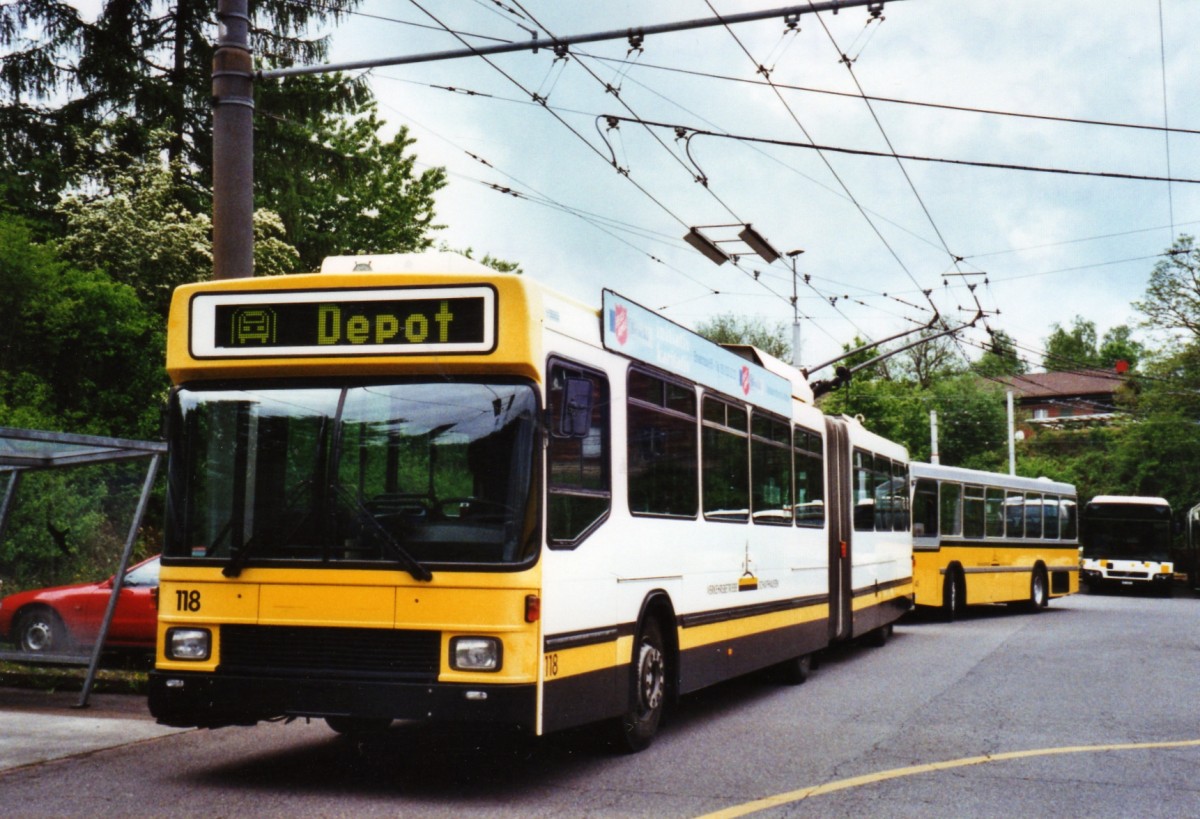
{"x": 1127, "y": 543}
{"x": 984, "y": 537}
{"x": 444, "y": 493}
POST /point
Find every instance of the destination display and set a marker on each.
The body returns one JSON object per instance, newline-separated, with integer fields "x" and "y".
{"x": 390, "y": 321}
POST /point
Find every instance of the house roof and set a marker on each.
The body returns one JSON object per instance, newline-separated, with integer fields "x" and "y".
{"x": 1077, "y": 382}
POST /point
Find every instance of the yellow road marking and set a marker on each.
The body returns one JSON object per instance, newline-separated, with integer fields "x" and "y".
{"x": 897, "y": 773}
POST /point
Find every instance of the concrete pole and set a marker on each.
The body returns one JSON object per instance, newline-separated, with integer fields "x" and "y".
{"x": 934, "y": 455}
{"x": 233, "y": 143}
{"x": 1012, "y": 439}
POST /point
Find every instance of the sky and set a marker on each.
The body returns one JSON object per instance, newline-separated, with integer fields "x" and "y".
{"x": 586, "y": 202}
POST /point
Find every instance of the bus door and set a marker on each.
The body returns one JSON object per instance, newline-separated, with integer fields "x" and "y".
{"x": 838, "y": 495}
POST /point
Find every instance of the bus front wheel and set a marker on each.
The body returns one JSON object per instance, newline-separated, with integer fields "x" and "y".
{"x": 639, "y": 724}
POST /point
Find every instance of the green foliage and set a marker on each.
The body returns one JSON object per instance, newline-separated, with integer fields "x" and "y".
{"x": 1119, "y": 345}
{"x": 138, "y": 231}
{"x": 497, "y": 264}
{"x": 357, "y": 194}
{"x": 972, "y": 420}
{"x": 1077, "y": 349}
{"x": 78, "y": 353}
{"x": 1001, "y": 358}
{"x": 1172, "y": 300}
{"x": 67, "y": 525}
{"x": 1072, "y": 350}
{"x": 142, "y": 65}
{"x": 926, "y": 363}
{"x": 73, "y": 347}
{"x": 858, "y": 354}
{"x": 730, "y": 328}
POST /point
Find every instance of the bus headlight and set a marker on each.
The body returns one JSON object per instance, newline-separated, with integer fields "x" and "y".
{"x": 188, "y": 644}
{"x": 475, "y": 654}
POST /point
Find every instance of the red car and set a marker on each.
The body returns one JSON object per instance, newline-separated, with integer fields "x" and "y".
{"x": 66, "y": 619}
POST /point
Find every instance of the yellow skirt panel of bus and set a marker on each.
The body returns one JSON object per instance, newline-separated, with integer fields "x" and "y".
{"x": 702, "y": 635}
{"x": 869, "y": 599}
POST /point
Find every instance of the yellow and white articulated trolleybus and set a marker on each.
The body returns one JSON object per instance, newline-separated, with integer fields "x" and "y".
{"x": 437, "y": 492}
{"x": 984, "y": 537}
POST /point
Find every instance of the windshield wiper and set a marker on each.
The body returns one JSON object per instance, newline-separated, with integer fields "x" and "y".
{"x": 241, "y": 554}
{"x": 407, "y": 561}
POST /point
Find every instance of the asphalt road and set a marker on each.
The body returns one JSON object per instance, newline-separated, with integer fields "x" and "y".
{"x": 1085, "y": 709}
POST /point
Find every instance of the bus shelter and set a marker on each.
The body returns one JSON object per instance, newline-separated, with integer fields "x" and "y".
{"x": 25, "y": 450}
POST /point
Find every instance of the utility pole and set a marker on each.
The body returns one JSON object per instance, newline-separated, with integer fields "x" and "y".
{"x": 792, "y": 254}
{"x": 233, "y": 143}
{"x": 233, "y": 104}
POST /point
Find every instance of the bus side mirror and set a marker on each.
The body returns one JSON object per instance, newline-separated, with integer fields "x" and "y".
{"x": 576, "y": 420}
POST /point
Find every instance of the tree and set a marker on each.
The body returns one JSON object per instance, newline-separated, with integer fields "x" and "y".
{"x": 78, "y": 351}
{"x": 488, "y": 260}
{"x": 856, "y": 354}
{"x": 137, "y": 230}
{"x": 972, "y": 421}
{"x": 1118, "y": 345}
{"x": 1172, "y": 300}
{"x": 1072, "y": 350}
{"x": 1001, "y": 358}
{"x": 356, "y": 194}
{"x": 933, "y": 359}
{"x": 141, "y": 64}
{"x": 729, "y": 328}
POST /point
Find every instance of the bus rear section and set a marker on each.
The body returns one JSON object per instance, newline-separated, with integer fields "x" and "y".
{"x": 984, "y": 537}
{"x": 1126, "y": 544}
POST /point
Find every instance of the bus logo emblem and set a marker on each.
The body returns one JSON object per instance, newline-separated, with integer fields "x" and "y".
{"x": 745, "y": 380}
{"x": 619, "y": 322}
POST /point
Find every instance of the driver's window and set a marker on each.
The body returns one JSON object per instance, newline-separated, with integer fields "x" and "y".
{"x": 577, "y": 475}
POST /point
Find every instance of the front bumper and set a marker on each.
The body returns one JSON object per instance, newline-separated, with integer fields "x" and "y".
{"x": 190, "y": 699}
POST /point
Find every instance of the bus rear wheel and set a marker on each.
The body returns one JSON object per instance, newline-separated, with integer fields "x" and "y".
{"x": 796, "y": 670}
{"x": 1039, "y": 591}
{"x": 638, "y": 725}
{"x": 952, "y": 596}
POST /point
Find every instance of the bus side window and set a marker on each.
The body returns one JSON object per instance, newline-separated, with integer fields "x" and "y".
{"x": 951, "y": 509}
{"x": 662, "y": 456}
{"x": 1014, "y": 514}
{"x": 994, "y": 513}
{"x": 973, "y": 511}
{"x": 925, "y": 508}
{"x": 771, "y": 468}
{"x": 1033, "y": 515}
{"x": 863, "y": 491}
{"x": 881, "y": 477}
{"x": 809, "y": 466}
{"x": 1050, "y": 507}
{"x": 725, "y": 454}
{"x": 900, "y": 517}
{"x": 1068, "y": 518}
{"x": 578, "y": 476}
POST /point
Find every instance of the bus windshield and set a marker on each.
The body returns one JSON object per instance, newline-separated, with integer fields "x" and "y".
{"x": 408, "y": 475}
{"x": 1127, "y": 532}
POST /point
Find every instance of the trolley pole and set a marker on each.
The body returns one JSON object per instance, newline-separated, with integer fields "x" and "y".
{"x": 233, "y": 143}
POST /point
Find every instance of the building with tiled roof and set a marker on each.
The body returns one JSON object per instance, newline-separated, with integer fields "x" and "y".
{"x": 1066, "y": 398}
